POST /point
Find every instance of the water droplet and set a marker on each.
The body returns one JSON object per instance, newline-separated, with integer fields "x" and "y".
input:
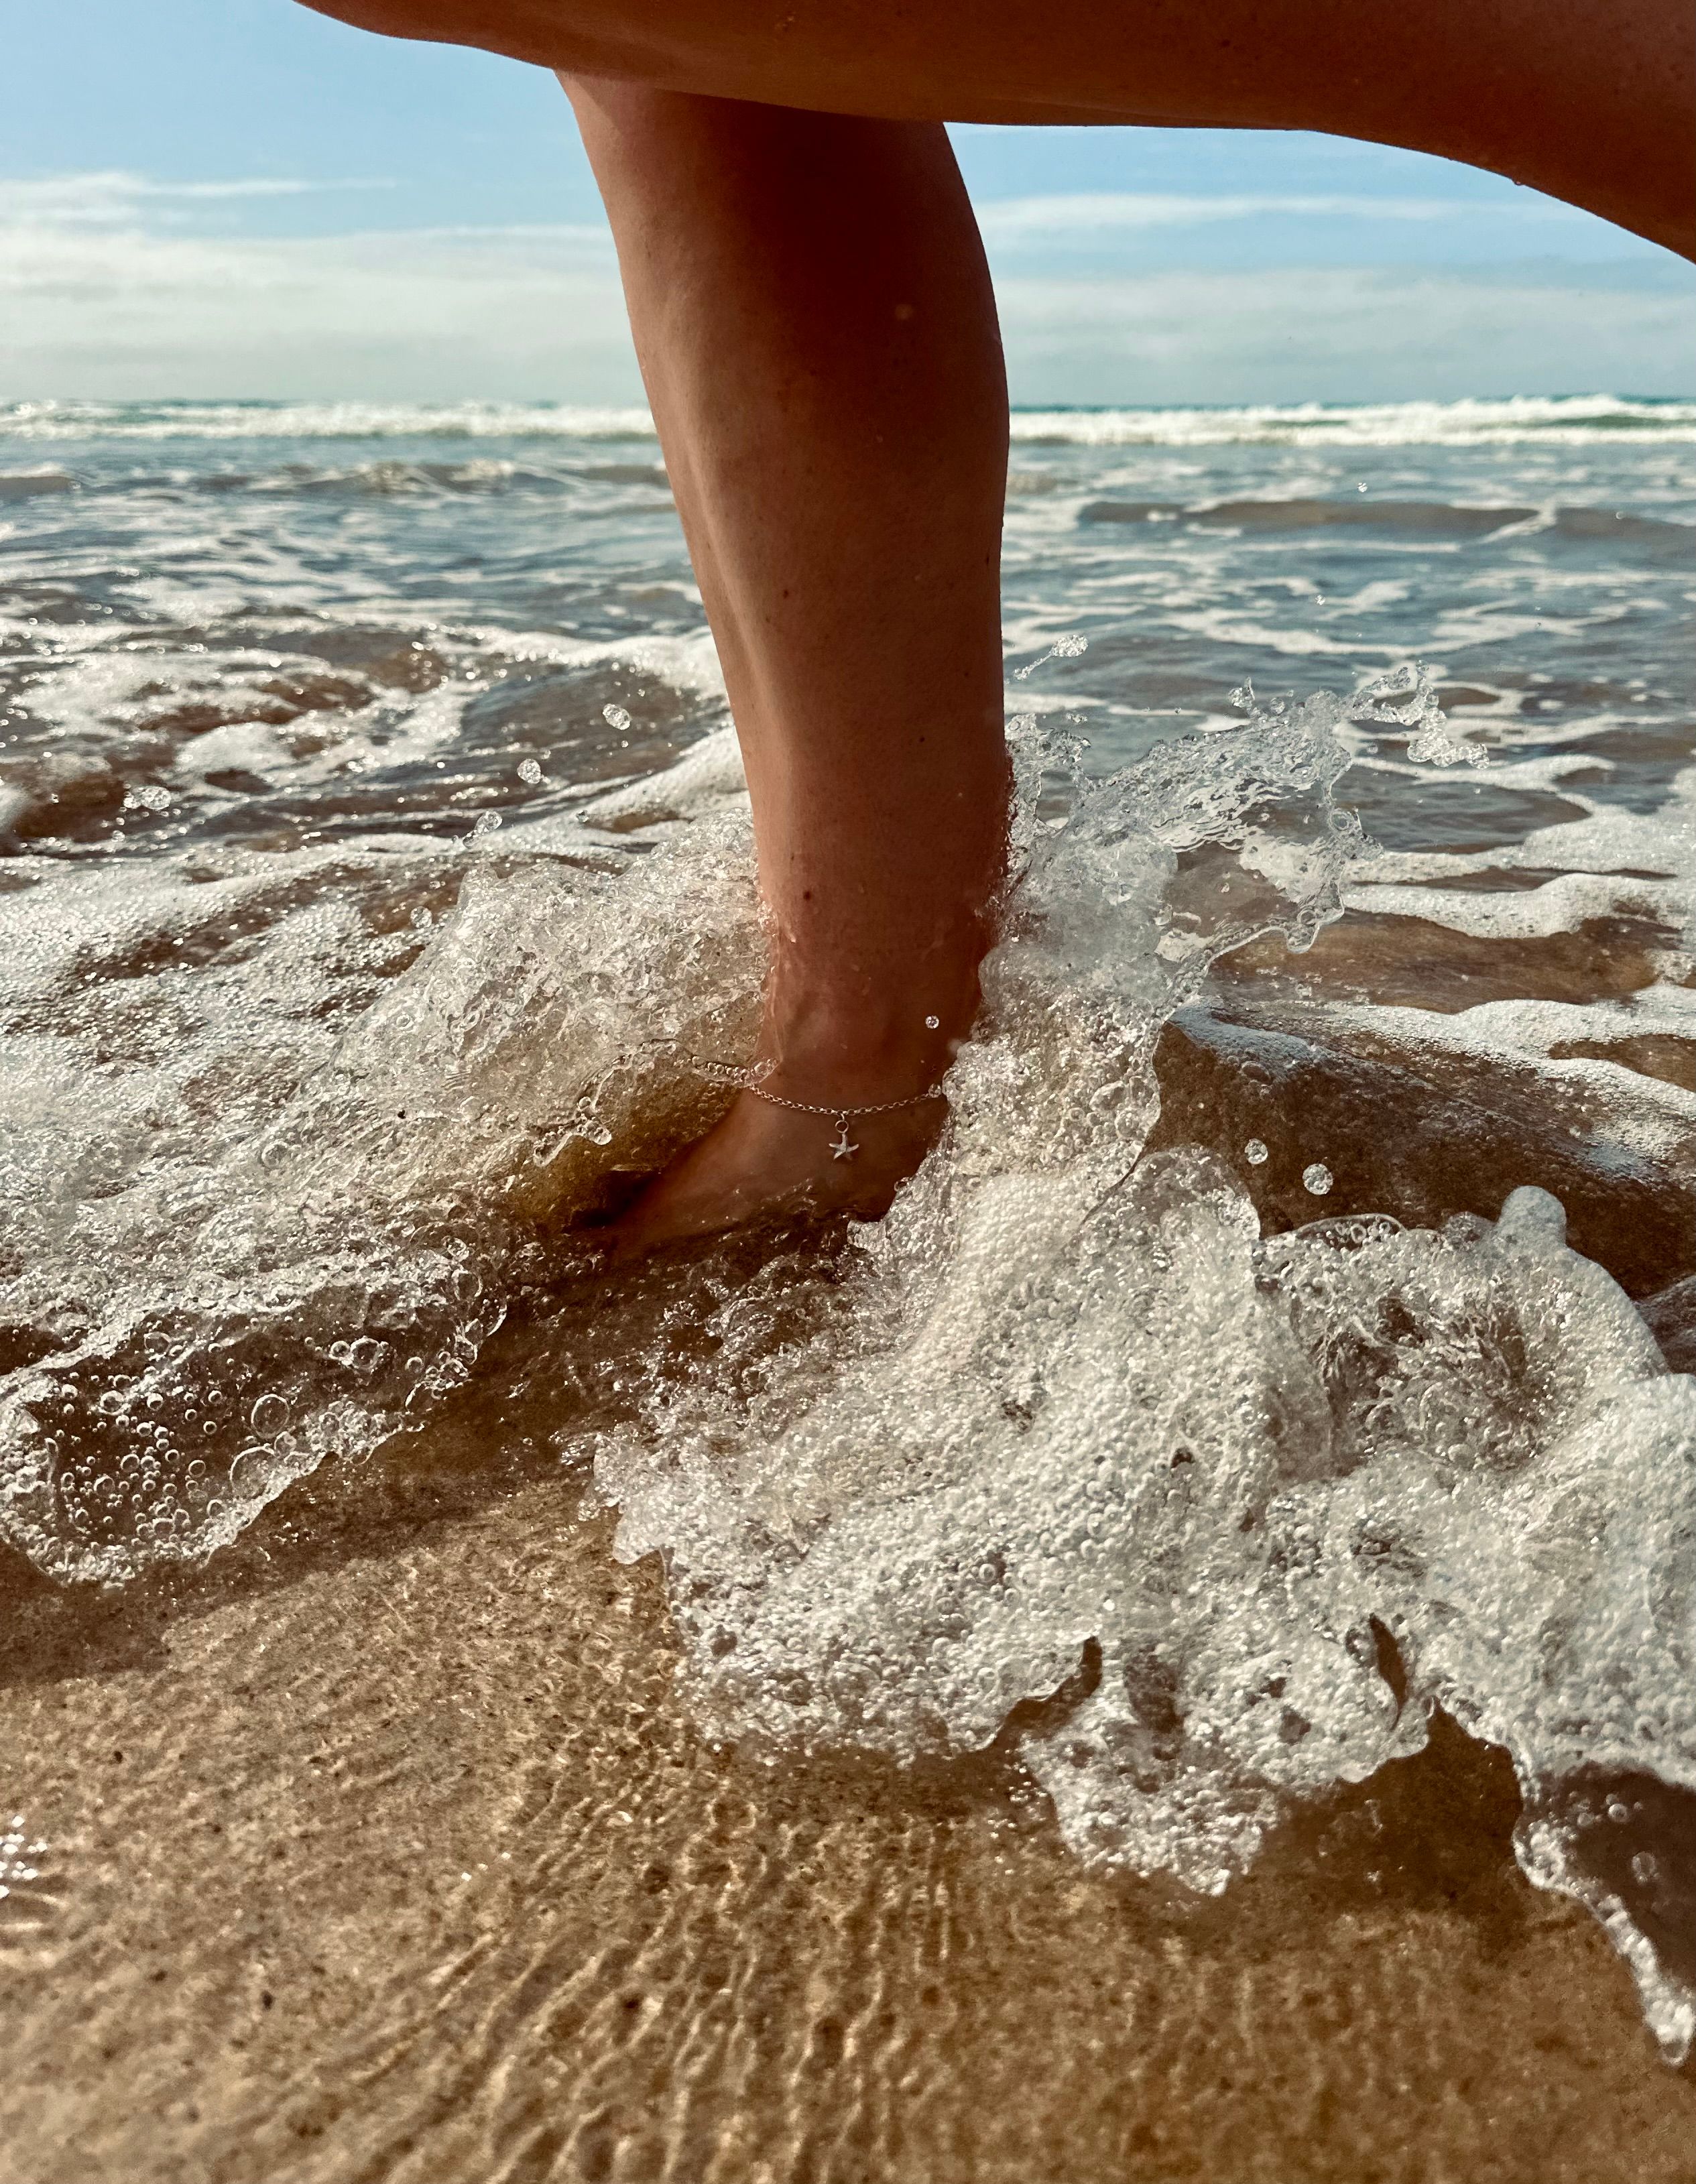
{"x": 616, "y": 717}
{"x": 1317, "y": 1178}
{"x": 249, "y": 1471}
{"x": 529, "y": 771}
{"x": 269, "y": 1412}
{"x": 932, "y": 1023}
{"x": 487, "y": 822}
{"x": 1255, "y": 1153}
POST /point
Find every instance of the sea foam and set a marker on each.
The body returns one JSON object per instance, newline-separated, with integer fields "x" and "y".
{"x": 1251, "y": 1508}
{"x": 1567, "y": 420}
{"x": 1213, "y": 1520}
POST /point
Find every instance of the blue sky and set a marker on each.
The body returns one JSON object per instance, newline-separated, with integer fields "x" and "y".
{"x": 240, "y": 197}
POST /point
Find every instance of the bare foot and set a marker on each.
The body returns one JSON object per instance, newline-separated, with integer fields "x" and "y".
{"x": 765, "y": 1161}
{"x": 762, "y": 1162}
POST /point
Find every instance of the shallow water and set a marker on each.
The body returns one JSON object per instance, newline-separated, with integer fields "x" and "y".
{"x": 1219, "y": 1406}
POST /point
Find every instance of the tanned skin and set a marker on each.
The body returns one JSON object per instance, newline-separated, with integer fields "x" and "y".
{"x": 817, "y": 334}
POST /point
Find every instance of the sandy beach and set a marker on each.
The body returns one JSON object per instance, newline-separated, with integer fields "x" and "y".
{"x": 383, "y": 1847}
{"x": 384, "y": 1851}
{"x": 1221, "y": 1403}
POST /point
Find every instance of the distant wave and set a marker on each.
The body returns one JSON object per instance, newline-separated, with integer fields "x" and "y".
{"x": 1499, "y": 421}
{"x": 1507, "y": 419}
{"x": 324, "y": 420}
{"x": 1434, "y": 518}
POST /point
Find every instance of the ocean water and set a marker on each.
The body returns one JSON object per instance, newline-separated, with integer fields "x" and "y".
{"x": 1290, "y": 1338}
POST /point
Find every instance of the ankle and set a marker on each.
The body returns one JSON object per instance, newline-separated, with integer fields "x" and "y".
{"x": 827, "y": 1043}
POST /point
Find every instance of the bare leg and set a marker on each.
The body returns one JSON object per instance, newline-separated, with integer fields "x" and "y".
{"x": 1591, "y": 100}
{"x": 817, "y": 332}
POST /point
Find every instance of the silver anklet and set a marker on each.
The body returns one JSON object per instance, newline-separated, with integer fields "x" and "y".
{"x": 840, "y": 1148}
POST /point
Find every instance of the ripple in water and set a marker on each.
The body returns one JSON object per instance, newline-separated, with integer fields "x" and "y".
{"x": 1067, "y": 1452}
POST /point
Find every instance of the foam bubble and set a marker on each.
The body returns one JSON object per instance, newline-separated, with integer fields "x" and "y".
{"x": 1064, "y": 1428}
{"x": 1238, "y": 1513}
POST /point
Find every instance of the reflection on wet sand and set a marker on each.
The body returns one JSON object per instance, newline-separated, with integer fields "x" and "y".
{"x": 384, "y": 1848}
{"x": 373, "y": 876}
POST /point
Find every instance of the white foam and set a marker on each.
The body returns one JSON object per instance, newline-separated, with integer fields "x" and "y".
{"x": 1081, "y": 1415}
{"x": 274, "y": 1153}
{"x": 1608, "y": 863}
{"x": 1566, "y": 420}
{"x": 1561, "y": 905}
{"x": 1514, "y": 420}
{"x": 707, "y": 778}
{"x": 323, "y": 421}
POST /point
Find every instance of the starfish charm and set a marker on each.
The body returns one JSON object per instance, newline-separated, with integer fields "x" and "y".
{"x": 840, "y": 1148}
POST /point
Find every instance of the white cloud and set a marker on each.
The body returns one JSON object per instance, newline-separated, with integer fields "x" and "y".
{"x": 114, "y": 195}
{"x": 1342, "y": 334}
{"x": 114, "y": 308}
{"x": 103, "y": 295}
{"x": 1010, "y": 220}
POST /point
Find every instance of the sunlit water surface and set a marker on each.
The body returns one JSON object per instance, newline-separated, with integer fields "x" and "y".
{"x": 1223, "y": 1397}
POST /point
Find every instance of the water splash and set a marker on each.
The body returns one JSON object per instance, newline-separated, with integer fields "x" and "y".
{"x": 1071, "y": 646}
{"x": 1064, "y": 1424}
{"x": 1407, "y": 698}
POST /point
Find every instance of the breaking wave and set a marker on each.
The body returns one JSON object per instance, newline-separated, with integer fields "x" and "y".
{"x": 1506, "y": 421}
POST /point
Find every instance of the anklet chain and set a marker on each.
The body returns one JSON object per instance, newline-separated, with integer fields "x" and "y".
{"x": 840, "y": 1148}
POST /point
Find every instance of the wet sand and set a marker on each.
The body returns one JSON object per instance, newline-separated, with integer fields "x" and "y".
{"x": 380, "y": 1849}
